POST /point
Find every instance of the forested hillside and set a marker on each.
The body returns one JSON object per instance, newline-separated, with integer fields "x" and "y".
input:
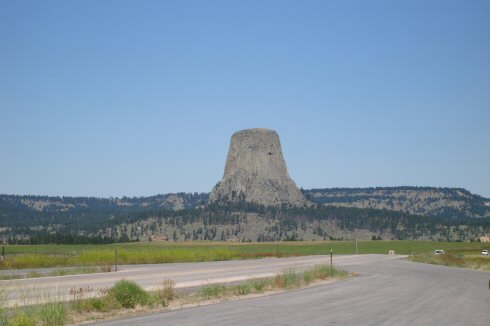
{"x": 428, "y": 201}
{"x": 387, "y": 213}
{"x": 31, "y": 211}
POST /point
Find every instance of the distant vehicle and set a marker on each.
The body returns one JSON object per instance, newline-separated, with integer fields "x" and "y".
{"x": 438, "y": 252}
{"x": 484, "y": 252}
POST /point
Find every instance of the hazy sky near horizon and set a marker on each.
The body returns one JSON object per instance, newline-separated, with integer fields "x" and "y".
{"x": 137, "y": 98}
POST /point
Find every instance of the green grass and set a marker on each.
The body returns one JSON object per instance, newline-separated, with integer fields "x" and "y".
{"x": 52, "y": 313}
{"x": 465, "y": 258}
{"x": 289, "y": 279}
{"x": 3, "y": 309}
{"x": 22, "y": 318}
{"x": 322, "y": 272}
{"x": 213, "y": 291}
{"x": 157, "y": 252}
{"x": 96, "y": 304}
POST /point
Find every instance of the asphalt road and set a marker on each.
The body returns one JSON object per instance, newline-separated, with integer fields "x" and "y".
{"x": 36, "y": 290}
{"x": 388, "y": 292}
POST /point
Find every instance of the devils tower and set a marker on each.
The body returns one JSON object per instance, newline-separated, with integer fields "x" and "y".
{"x": 256, "y": 172}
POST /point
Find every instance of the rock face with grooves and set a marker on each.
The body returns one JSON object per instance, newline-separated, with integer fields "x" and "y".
{"x": 256, "y": 172}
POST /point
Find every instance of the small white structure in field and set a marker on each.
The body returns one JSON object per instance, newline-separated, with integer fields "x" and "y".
{"x": 391, "y": 252}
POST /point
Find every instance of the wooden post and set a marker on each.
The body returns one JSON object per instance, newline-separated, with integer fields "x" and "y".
{"x": 116, "y": 258}
{"x": 357, "y": 250}
{"x": 331, "y": 258}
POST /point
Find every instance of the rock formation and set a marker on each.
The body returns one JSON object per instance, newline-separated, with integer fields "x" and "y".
{"x": 256, "y": 172}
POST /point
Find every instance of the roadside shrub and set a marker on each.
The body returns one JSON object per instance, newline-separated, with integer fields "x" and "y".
{"x": 53, "y": 314}
{"x": 129, "y": 294}
{"x": 166, "y": 292}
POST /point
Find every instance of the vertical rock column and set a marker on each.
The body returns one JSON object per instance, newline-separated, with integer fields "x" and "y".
{"x": 256, "y": 172}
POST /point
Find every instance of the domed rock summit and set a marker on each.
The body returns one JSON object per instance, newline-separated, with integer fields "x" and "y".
{"x": 256, "y": 172}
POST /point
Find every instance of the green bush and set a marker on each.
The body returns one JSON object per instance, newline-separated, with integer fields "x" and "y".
{"x": 129, "y": 294}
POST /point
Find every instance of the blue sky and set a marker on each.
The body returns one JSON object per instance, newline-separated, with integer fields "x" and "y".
{"x": 136, "y": 98}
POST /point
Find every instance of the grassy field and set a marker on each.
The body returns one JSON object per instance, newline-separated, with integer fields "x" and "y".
{"x": 456, "y": 259}
{"x": 17, "y": 257}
